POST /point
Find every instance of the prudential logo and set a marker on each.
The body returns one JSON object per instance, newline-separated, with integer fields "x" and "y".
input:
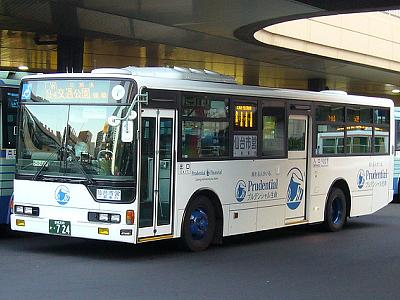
{"x": 361, "y": 179}
{"x": 62, "y": 194}
{"x": 295, "y": 188}
{"x": 240, "y": 190}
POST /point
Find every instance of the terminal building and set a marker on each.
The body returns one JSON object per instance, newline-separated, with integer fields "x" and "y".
{"x": 356, "y": 52}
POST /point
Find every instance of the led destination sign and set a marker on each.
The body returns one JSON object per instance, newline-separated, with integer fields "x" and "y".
{"x": 245, "y": 116}
{"x": 98, "y": 91}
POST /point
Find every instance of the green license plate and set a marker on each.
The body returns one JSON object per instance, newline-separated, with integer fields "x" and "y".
{"x": 59, "y": 227}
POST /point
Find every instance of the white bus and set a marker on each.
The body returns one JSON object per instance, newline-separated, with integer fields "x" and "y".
{"x": 143, "y": 154}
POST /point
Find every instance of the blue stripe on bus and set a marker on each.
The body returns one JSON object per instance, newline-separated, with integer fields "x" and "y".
{"x": 5, "y": 209}
{"x": 7, "y": 165}
{"x": 395, "y": 185}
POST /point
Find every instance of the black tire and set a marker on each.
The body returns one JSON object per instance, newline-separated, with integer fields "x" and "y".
{"x": 335, "y": 210}
{"x": 199, "y": 223}
{"x": 5, "y": 230}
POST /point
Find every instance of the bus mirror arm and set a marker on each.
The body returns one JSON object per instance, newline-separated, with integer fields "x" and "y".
{"x": 130, "y": 114}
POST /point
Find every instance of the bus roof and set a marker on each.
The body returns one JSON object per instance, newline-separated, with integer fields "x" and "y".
{"x": 184, "y": 79}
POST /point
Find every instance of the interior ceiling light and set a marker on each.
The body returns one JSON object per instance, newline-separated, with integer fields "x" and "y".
{"x": 23, "y": 68}
{"x": 396, "y": 91}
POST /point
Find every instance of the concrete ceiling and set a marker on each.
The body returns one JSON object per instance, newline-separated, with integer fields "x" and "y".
{"x": 215, "y": 26}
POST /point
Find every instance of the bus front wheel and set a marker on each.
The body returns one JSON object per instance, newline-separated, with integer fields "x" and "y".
{"x": 335, "y": 211}
{"x": 199, "y": 224}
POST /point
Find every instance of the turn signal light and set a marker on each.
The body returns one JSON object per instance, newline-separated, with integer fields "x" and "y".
{"x": 103, "y": 231}
{"x": 12, "y": 204}
{"x": 20, "y": 222}
{"x": 130, "y": 217}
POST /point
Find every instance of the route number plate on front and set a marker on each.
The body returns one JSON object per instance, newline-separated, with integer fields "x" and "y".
{"x": 59, "y": 227}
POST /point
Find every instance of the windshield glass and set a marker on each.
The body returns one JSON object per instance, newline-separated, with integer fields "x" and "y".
{"x": 54, "y": 139}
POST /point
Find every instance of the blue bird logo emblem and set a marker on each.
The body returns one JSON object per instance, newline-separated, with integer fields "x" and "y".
{"x": 62, "y": 195}
{"x": 360, "y": 179}
{"x": 295, "y": 188}
{"x": 240, "y": 191}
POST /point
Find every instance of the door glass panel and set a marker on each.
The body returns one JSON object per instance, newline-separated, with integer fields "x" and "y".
{"x": 273, "y": 131}
{"x": 147, "y": 173}
{"x": 296, "y": 135}
{"x": 165, "y": 154}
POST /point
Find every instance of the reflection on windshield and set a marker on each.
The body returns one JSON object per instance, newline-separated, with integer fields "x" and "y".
{"x": 84, "y": 134}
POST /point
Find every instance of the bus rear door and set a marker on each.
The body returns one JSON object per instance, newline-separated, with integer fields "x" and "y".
{"x": 296, "y": 175}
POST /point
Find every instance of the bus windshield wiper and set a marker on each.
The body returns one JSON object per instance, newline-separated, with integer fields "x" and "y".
{"x": 38, "y": 172}
{"x": 63, "y": 150}
{"x": 88, "y": 178}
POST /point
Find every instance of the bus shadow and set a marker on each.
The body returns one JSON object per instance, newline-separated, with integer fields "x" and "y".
{"x": 105, "y": 250}
{"x": 7, "y": 234}
{"x": 301, "y": 231}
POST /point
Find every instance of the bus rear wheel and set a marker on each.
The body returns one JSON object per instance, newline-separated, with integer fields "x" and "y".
{"x": 335, "y": 211}
{"x": 199, "y": 224}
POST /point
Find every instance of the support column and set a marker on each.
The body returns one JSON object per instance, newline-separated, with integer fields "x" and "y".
{"x": 152, "y": 55}
{"x": 317, "y": 84}
{"x": 251, "y": 74}
{"x": 69, "y": 54}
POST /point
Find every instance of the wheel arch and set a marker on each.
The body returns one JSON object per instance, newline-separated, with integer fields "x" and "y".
{"x": 219, "y": 215}
{"x": 342, "y": 184}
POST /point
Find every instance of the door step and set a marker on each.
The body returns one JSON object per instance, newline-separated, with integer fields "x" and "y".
{"x": 155, "y": 238}
{"x": 295, "y": 222}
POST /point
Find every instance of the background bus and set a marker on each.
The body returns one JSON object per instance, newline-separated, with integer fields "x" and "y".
{"x": 397, "y": 153}
{"x": 143, "y": 154}
{"x": 9, "y": 87}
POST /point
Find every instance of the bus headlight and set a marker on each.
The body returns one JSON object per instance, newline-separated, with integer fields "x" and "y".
{"x": 26, "y": 210}
{"x": 115, "y": 218}
{"x": 104, "y": 217}
{"x": 18, "y": 209}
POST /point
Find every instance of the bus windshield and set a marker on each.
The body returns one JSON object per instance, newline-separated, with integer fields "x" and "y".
{"x": 74, "y": 141}
{"x": 84, "y": 133}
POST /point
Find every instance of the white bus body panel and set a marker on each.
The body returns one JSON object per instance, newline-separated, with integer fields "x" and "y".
{"x": 265, "y": 208}
{"x": 43, "y": 195}
{"x": 266, "y": 187}
{"x": 366, "y": 197}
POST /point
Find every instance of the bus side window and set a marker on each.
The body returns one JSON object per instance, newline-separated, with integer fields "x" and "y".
{"x": 273, "y": 134}
{"x": 205, "y": 126}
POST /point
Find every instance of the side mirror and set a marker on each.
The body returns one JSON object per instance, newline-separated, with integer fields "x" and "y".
{"x": 113, "y": 121}
{"x": 133, "y": 115}
{"x": 127, "y": 130}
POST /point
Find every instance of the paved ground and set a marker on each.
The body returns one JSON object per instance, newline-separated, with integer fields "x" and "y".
{"x": 360, "y": 262}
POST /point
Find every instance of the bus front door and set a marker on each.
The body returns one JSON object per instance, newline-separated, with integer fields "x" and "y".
{"x": 296, "y": 175}
{"x": 157, "y": 144}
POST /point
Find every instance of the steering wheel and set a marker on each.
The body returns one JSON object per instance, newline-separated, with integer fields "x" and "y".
{"x": 104, "y": 151}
